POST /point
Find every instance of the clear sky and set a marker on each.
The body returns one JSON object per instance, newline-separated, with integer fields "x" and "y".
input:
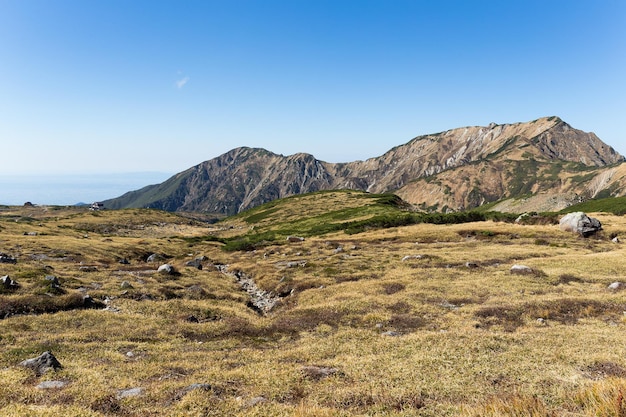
{"x": 131, "y": 85}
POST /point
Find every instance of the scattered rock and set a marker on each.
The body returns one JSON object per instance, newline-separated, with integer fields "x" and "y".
{"x": 154, "y": 258}
{"x": 338, "y": 249}
{"x": 294, "y": 239}
{"x": 391, "y": 333}
{"x": 471, "y": 265}
{"x": 260, "y": 300}
{"x": 615, "y": 286}
{"x": 51, "y": 385}
{"x": 318, "y": 372}
{"x": 54, "y": 281}
{"x": 194, "y": 387}
{"x": 196, "y": 263}
{"x": 410, "y": 257}
{"x": 30, "y": 233}
{"x": 88, "y": 268}
{"x": 541, "y": 321}
{"x": 167, "y": 269}
{"x": 521, "y": 270}
{"x": 124, "y": 261}
{"x": 7, "y": 283}
{"x": 7, "y": 259}
{"x": 579, "y": 222}
{"x": 131, "y": 392}
{"x": 615, "y": 240}
{"x": 255, "y": 401}
{"x": 126, "y": 285}
{"x": 42, "y": 363}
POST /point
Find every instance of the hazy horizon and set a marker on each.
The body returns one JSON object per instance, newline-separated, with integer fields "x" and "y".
{"x": 71, "y": 189}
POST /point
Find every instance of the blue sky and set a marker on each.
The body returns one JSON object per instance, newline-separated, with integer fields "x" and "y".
{"x": 93, "y": 86}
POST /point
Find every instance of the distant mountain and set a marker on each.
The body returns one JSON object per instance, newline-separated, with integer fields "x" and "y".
{"x": 453, "y": 170}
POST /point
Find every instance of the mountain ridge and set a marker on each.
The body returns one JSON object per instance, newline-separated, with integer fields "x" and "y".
{"x": 246, "y": 177}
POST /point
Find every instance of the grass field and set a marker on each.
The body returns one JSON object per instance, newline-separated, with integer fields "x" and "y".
{"x": 418, "y": 320}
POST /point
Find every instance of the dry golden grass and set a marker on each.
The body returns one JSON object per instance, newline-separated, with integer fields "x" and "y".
{"x": 448, "y": 331}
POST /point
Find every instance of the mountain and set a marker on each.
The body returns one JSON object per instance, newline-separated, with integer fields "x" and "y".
{"x": 453, "y": 170}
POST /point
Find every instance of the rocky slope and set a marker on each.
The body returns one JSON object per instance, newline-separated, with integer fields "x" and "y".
{"x": 452, "y": 170}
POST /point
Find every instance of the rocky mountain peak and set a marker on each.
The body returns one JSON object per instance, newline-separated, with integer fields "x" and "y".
{"x": 458, "y": 168}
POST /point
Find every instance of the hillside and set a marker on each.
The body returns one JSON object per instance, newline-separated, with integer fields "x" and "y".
{"x": 459, "y": 169}
{"x": 418, "y": 320}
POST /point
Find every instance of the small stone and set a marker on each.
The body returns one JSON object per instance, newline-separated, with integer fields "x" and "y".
{"x": 318, "y": 372}
{"x": 124, "y": 261}
{"x": 541, "y": 321}
{"x": 410, "y": 257}
{"x": 125, "y": 285}
{"x": 255, "y": 401}
{"x": 471, "y": 265}
{"x": 166, "y": 269}
{"x": 51, "y": 385}
{"x": 196, "y": 263}
{"x": 154, "y": 257}
{"x": 615, "y": 240}
{"x": 615, "y": 286}
{"x": 391, "y": 333}
{"x": 521, "y": 269}
{"x": 131, "y": 392}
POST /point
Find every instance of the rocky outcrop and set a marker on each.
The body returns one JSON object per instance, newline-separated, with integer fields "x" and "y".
{"x": 459, "y": 168}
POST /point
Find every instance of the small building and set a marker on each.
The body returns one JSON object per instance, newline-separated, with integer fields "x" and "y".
{"x": 96, "y": 206}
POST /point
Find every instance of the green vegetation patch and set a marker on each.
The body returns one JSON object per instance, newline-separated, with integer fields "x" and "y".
{"x": 614, "y": 205}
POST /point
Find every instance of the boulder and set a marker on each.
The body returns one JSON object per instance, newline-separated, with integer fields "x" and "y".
{"x": 579, "y": 222}
{"x": 615, "y": 286}
{"x": 42, "y": 363}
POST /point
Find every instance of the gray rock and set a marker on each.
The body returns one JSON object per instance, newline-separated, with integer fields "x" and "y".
{"x": 167, "y": 269}
{"x": 521, "y": 270}
{"x": 471, "y": 265}
{"x": 200, "y": 387}
{"x": 51, "y": 385}
{"x": 615, "y": 286}
{"x": 54, "y": 281}
{"x": 615, "y": 240}
{"x": 294, "y": 239}
{"x": 126, "y": 285}
{"x": 131, "y": 392}
{"x": 391, "y": 333}
{"x": 124, "y": 261}
{"x": 154, "y": 258}
{"x": 579, "y": 222}
{"x": 42, "y": 363}
{"x": 196, "y": 263}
